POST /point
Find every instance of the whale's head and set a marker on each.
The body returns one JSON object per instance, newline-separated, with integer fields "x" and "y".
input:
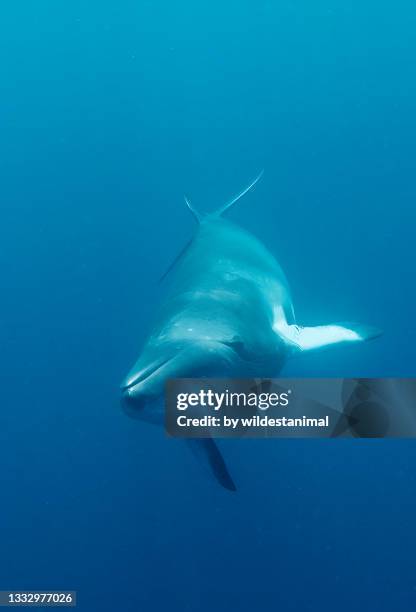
{"x": 143, "y": 388}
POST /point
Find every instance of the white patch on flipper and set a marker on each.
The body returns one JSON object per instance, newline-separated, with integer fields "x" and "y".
{"x": 310, "y": 338}
{"x": 307, "y": 338}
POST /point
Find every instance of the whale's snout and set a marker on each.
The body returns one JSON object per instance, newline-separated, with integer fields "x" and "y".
{"x": 142, "y": 391}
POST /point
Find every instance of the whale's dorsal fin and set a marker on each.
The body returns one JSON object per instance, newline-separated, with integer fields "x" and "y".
{"x": 235, "y": 199}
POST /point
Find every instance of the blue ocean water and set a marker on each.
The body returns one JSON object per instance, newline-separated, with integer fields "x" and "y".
{"x": 110, "y": 111}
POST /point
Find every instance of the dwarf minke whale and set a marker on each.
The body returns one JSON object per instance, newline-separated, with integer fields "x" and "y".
{"x": 228, "y": 313}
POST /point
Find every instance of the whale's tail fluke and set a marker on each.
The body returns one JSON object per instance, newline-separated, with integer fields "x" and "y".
{"x": 199, "y": 217}
{"x": 218, "y": 213}
{"x": 235, "y": 199}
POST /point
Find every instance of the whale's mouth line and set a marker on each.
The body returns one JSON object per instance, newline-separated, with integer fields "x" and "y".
{"x": 150, "y": 370}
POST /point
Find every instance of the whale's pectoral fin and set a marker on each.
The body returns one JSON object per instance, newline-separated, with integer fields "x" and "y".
{"x": 311, "y": 338}
{"x": 208, "y": 453}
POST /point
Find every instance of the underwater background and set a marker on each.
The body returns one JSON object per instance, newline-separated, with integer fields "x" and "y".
{"x": 109, "y": 113}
